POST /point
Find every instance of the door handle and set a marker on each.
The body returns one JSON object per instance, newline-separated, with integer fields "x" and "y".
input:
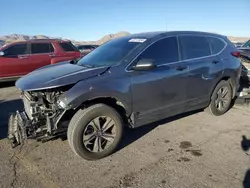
{"x": 52, "y": 55}
{"x": 22, "y": 57}
{"x": 215, "y": 61}
{"x": 181, "y": 68}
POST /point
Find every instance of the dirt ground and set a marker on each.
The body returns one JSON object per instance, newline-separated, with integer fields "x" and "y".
{"x": 191, "y": 150}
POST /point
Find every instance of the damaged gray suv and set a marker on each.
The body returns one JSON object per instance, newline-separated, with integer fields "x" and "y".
{"x": 129, "y": 81}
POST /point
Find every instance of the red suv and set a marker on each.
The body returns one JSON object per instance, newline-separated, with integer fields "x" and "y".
{"x": 20, "y": 58}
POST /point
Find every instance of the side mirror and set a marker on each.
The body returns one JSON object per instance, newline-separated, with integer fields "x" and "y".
{"x": 1, "y": 53}
{"x": 144, "y": 64}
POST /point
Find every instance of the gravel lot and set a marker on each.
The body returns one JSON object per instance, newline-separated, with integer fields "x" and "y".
{"x": 191, "y": 150}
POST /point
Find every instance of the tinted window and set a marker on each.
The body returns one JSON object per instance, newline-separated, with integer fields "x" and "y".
{"x": 17, "y": 49}
{"x": 194, "y": 47}
{"x": 110, "y": 53}
{"x": 247, "y": 44}
{"x": 163, "y": 51}
{"x": 68, "y": 47}
{"x": 216, "y": 44}
{"x": 38, "y": 48}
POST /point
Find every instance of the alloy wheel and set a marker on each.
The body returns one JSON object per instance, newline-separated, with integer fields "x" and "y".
{"x": 223, "y": 98}
{"x": 99, "y": 134}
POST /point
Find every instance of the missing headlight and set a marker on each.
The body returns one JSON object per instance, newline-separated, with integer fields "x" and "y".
{"x": 61, "y": 104}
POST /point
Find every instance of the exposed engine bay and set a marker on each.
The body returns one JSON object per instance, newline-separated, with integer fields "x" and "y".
{"x": 46, "y": 113}
{"x": 40, "y": 118}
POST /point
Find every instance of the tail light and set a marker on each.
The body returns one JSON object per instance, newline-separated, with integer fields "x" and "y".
{"x": 236, "y": 54}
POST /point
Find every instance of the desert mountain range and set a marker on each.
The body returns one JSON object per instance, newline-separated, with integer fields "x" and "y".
{"x": 17, "y": 37}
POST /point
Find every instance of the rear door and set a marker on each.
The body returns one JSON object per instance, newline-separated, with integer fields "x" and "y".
{"x": 205, "y": 66}
{"x": 41, "y": 55}
{"x": 14, "y": 62}
{"x": 69, "y": 51}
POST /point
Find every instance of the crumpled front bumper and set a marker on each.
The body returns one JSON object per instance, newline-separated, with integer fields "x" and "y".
{"x": 17, "y": 125}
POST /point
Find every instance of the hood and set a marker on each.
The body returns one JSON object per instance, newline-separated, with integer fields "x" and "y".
{"x": 57, "y": 75}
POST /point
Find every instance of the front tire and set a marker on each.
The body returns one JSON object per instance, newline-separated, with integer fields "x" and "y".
{"x": 221, "y": 99}
{"x": 95, "y": 132}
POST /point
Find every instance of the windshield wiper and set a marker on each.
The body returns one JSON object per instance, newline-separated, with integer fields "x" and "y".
{"x": 86, "y": 65}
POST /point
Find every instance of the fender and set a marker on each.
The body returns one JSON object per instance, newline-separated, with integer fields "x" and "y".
{"x": 86, "y": 90}
{"x": 62, "y": 59}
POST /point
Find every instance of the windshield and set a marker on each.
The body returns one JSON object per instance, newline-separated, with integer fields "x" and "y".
{"x": 110, "y": 53}
{"x": 247, "y": 44}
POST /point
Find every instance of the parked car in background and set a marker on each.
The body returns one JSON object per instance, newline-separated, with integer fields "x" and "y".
{"x": 85, "y": 49}
{"x": 238, "y": 44}
{"x": 20, "y": 58}
{"x": 245, "y": 52}
{"x": 129, "y": 81}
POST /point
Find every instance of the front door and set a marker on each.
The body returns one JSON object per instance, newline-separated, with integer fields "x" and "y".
{"x": 159, "y": 92}
{"x": 15, "y": 60}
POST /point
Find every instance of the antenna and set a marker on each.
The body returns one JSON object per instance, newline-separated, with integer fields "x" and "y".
{"x": 166, "y": 25}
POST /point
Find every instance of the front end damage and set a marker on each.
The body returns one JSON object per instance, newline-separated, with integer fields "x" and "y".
{"x": 40, "y": 118}
{"x": 44, "y": 102}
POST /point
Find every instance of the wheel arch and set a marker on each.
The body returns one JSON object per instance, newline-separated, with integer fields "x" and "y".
{"x": 113, "y": 102}
{"x": 231, "y": 82}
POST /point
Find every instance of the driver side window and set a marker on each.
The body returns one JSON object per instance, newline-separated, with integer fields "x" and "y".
{"x": 15, "y": 50}
{"x": 162, "y": 52}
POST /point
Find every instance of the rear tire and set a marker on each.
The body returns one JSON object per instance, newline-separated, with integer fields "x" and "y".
{"x": 221, "y": 99}
{"x": 95, "y": 132}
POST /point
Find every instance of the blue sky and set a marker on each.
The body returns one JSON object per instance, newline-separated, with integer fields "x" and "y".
{"x": 90, "y": 20}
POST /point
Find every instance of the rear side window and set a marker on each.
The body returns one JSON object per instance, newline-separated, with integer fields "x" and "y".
{"x": 18, "y": 49}
{"x": 194, "y": 47}
{"x": 163, "y": 51}
{"x": 68, "y": 47}
{"x": 40, "y": 48}
{"x": 216, "y": 45}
